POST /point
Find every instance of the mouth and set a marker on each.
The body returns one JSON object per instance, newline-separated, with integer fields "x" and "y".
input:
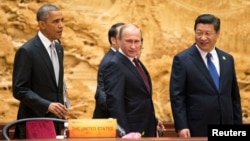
{"x": 203, "y": 43}
{"x": 132, "y": 52}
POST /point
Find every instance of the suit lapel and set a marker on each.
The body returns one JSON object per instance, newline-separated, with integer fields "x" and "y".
{"x": 128, "y": 64}
{"x": 198, "y": 61}
{"x": 60, "y": 56}
{"x": 147, "y": 73}
{"x": 223, "y": 64}
{"x": 133, "y": 69}
{"x": 45, "y": 57}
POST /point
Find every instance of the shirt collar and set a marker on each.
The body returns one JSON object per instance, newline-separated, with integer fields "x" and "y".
{"x": 203, "y": 53}
{"x": 130, "y": 58}
{"x": 45, "y": 41}
{"x": 112, "y": 48}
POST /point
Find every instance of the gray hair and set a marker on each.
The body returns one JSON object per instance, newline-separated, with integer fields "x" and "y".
{"x": 43, "y": 11}
{"x": 129, "y": 25}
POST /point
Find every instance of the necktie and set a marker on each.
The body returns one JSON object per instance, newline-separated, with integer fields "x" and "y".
{"x": 212, "y": 70}
{"x": 54, "y": 59}
{"x": 55, "y": 62}
{"x": 142, "y": 73}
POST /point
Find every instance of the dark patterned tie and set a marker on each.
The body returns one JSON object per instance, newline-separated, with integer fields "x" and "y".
{"x": 212, "y": 70}
{"x": 142, "y": 73}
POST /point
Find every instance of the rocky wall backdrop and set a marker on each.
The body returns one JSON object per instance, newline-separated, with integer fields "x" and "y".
{"x": 167, "y": 27}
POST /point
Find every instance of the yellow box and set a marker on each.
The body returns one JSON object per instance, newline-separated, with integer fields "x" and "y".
{"x": 79, "y": 128}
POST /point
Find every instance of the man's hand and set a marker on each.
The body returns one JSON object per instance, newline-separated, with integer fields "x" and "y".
{"x": 184, "y": 133}
{"x": 160, "y": 128}
{"x": 58, "y": 109}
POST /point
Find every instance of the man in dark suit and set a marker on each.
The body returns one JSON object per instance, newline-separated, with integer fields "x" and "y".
{"x": 129, "y": 97}
{"x": 35, "y": 84}
{"x": 100, "y": 96}
{"x": 197, "y": 99}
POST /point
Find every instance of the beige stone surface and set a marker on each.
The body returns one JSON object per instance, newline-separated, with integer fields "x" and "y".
{"x": 167, "y": 27}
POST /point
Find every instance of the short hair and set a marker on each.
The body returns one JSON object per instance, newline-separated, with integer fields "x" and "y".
{"x": 43, "y": 11}
{"x": 129, "y": 25}
{"x": 113, "y": 31}
{"x": 208, "y": 19}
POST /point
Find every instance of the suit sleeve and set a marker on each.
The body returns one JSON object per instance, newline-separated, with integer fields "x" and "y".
{"x": 114, "y": 81}
{"x": 236, "y": 99}
{"x": 22, "y": 71}
{"x": 177, "y": 94}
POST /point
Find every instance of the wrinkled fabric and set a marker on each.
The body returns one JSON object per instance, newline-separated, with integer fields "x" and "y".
{"x": 40, "y": 129}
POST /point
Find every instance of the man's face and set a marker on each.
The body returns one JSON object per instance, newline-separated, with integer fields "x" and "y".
{"x": 131, "y": 41}
{"x": 206, "y": 36}
{"x": 52, "y": 27}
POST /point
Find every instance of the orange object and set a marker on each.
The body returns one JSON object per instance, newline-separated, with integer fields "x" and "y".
{"x": 79, "y": 128}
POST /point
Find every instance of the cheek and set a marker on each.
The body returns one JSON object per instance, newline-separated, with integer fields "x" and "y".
{"x": 195, "y": 37}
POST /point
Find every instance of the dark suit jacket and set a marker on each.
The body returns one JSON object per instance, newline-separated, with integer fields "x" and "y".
{"x": 195, "y": 101}
{"x": 34, "y": 82}
{"x": 128, "y": 99}
{"x": 100, "y": 96}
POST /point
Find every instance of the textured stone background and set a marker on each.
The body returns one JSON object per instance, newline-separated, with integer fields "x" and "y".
{"x": 167, "y": 27}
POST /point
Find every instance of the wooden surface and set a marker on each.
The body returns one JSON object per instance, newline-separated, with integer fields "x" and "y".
{"x": 11, "y": 131}
{"x": 168, "y": 135}
{"x": 170, "y": 131}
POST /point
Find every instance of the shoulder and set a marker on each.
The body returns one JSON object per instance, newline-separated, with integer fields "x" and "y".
{"x": 35, "y": 41}
{"x": 116, "y": 60}
{"x": 187, "y": 52}
{"x": 106, "y": 58}
{"x": 223, "y": 54}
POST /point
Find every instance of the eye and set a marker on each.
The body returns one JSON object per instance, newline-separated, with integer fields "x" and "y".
{"x": 129, "y": 41}
{"x": 198, "y": 33}
{"x": 207, "y": 33}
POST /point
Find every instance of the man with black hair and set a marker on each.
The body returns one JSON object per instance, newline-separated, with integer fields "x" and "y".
{"x": 100, "y": 96}
{"x": 203, "y": 83}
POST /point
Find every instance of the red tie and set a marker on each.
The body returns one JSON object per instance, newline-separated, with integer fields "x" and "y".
{"x": 142, "y": 73}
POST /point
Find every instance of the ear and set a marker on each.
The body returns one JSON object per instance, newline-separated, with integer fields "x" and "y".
{"x": 218, "y": 33}
{"x": 113, "y": 40}
{"x": 41, "y": 24}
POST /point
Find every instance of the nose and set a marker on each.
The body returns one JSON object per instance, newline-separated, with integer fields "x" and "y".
{"x": 203, "y": 37}
{"x": 61, "y": 24}
{"x": 133, "y": 45}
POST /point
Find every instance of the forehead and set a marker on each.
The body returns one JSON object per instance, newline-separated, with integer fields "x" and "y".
{"x": 55, "y": 14}
{"x": 205, "y": 27}
{"x": 132, "y": 33}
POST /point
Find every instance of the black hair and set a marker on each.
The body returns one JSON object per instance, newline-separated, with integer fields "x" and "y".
{"x": 113, "y": 31}
{"x": 208, "y": 19}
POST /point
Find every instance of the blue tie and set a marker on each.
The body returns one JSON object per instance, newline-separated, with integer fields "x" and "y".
{"x": 212, "y": 70}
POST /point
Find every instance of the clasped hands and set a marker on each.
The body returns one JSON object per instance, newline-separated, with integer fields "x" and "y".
{"x": 60, "y": 110}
